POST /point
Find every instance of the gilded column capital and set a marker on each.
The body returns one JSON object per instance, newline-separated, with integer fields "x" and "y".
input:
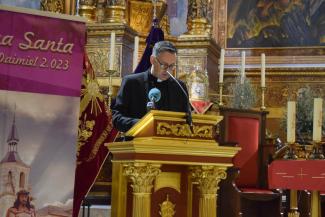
{"x": 142, "y": 176}
{"x": 208, "y": 178}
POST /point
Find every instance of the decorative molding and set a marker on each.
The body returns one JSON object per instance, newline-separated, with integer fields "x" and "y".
{"x": 208, "y": 178}
{"x": 183, "y": 130}
{"x": 142, "y": 176}
{"x": 100, "y": 61}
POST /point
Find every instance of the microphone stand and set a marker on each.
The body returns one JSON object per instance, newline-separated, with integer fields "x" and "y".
{"x": 188, "y": 118}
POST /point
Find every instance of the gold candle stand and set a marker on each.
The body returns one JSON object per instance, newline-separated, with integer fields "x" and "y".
{"x": 317, "y": 152}
{"x": 263, "y": 98}
{"x": 110, "y": 86}
{"x": 220, "y": 94}
{"x": 293, "y": 204}
{"x": 291, "y": 154}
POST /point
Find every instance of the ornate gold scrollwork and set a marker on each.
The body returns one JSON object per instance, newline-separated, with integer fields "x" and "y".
{"x": 208, "y": 177}
{"x": 183, "y": 130}
{"x": 99, "y": 60}
{"x": 167, "y": 208}
{"x": 142, "y": 176}
{"x": 199, "y": 17}
{"x": 52, "y": 5}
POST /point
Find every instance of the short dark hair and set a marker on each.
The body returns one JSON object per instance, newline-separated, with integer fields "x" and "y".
{"x": 163, "y": 46}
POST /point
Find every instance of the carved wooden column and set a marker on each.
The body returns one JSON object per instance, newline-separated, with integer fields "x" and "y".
{"x": 142, "y": 176}
{"x": 208, "y": 178}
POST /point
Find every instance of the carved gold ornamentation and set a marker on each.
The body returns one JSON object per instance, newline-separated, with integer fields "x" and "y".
{"x": 198, "y": 84}
{"x": 87, "y": 9}
{"x": 186, "y": 64}
{"x": 199, "y": 17}
{"x": 199, "y": 26}
{"x": 52, "y": 5}
{"x": 85, "y": 132}
{"x": 165, "y": 24}
{"x": 142, "y": 176}
{"x": 141, "y": 14}
{"x": 183, "y": 130}
{"x": 99, "y": 60}
{"x": 100, "y": 11}
{"x": 115, "y": 14}
{"x": 167, "y": 208}
{"x": 208, "y": 178}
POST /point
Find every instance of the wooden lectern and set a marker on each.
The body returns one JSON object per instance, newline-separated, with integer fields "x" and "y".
{"x": 167, "y": 169}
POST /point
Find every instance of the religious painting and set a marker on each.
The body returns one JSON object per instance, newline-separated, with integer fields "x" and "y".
{"x": 38, "y": 133}
{"x": 275, "y": 23}
{"x": 41, "y": 65}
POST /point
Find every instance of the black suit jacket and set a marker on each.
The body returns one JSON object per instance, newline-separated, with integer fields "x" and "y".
{"x": 131, "y": 102}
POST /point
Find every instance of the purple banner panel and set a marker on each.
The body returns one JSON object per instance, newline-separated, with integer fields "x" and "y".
{"x": 41, "y": 54}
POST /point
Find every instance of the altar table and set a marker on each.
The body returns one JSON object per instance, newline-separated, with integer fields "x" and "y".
{"x": 299, "y": 175}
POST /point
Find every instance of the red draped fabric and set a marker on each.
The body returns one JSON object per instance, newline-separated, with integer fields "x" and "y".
{"x": 297, "y": 174}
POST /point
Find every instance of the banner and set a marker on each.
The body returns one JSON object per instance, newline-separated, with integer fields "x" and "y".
{"x": 41, "y": 63}
{"x": 95, "y": 130}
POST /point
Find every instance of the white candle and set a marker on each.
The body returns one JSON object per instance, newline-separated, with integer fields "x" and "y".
{"x": 242, "y": 68}
{"x": 112, "y": 52}
{"x": 317, "y": 123}
{"x": 263, "y": 70}
{"x": 135, "y": 52}
{"x": 291, "y": 122}
{"x": 222, "y": 65}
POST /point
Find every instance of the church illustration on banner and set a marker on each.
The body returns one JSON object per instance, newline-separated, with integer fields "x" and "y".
{"x": 14, "y": 176}
{"x": 14, "y": 172}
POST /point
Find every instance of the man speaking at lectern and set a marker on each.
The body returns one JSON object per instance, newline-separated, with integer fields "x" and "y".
{"x": 132, "y": 98}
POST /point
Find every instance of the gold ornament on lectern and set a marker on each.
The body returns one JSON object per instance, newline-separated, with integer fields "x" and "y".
{"x": 167, "y": 208}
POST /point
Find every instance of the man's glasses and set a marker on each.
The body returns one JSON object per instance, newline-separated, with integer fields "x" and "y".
{"x": 166, "y": 67}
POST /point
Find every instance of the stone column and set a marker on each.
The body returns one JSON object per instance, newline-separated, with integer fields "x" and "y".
{"x": 142, "y": 176}
{"x": 208, "y": 178}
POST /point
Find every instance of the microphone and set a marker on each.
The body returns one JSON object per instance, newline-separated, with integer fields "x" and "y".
{"x": 154, "y": 96}
{"x": 189, "y": 120}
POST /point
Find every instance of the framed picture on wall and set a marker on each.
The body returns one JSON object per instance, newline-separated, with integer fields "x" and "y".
{"x": 275, "y": 23}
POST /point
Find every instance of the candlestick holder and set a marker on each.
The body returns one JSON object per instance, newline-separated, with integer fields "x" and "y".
{"x": 110, "y": 72}
{"x": 317, "y": 152}
{"x": 263, "y": 98}
{"x": 220, "y": 93}
{"x": 291, "y": 153}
